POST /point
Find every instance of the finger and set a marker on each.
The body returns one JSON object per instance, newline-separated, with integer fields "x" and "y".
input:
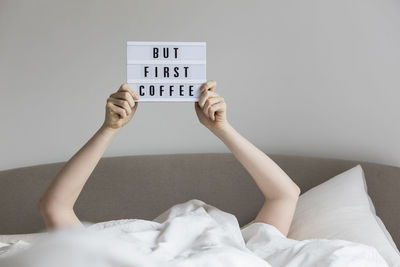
{"x": 124, "y": 96}
{"x": 127, "y": 88}
{"x": 121, "y": 103}
{"x": 204, "y": 96}
{"x": 210, "y": 110}
{"x": 209, "y": 85}
{"x": 216, "y": 108}
{"x": 120, "y": 111}
{"x": 209, "y": 102}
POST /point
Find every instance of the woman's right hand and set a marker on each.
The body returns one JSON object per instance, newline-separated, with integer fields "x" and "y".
{"x": 120, "y": 107}
{"x": 211, "y": 107}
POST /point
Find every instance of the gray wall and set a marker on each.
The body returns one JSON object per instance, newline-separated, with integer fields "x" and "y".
{"x": 318, "y": 78}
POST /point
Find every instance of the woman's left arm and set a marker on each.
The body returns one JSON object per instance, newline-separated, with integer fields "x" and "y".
{"x": 57, "y": 202}
{"x": 280, "y": 192}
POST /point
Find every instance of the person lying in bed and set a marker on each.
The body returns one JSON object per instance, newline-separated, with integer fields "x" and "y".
{"x": 280, "y": 192}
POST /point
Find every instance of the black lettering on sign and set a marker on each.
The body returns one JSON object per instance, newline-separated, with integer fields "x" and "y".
{"x": 141, "y": 88}
{"x": 165, "y": 52}
{"x": 191, "y": 90}
{"x": 155, "y": 52}
{"x": 166, "y": 72}
{"x": 151, "y": 90}
{"x": 176, "y": 74}
{"x": 161, "y": 90}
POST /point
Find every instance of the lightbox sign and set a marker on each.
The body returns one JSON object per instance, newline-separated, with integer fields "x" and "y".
{"x": 166, "y": 71}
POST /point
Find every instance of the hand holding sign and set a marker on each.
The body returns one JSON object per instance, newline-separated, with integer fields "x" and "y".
{"x": 211, "y": 108}
{"x": 120, "y": 107}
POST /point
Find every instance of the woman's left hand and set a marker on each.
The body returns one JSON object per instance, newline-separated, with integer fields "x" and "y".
{"x": 211, "y": 107}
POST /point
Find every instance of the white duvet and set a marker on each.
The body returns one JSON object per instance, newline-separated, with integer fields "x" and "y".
{"x": 188, "y": 234}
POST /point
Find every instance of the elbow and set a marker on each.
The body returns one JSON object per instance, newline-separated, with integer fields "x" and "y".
{"x": 44, "y": 206}
{"x": 50, "y": 213}
{"x": 46, "y": 209}
{"x": 291, "y": 193}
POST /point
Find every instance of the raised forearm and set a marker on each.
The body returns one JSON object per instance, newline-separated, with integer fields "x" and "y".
{"x": 270, "y": 178}
{"x": 68, "y": 183}
{"x": 57, "y": 202}
{"x": 281, "y": 193}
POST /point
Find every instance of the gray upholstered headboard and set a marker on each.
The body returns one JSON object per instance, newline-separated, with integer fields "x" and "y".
{"x": 144, "y": 186}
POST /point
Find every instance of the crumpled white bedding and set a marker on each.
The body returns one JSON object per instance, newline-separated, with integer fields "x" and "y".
{"x": 189, "y": 234}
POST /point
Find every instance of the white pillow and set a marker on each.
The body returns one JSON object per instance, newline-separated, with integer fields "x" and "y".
{"x": 340, "y": 208}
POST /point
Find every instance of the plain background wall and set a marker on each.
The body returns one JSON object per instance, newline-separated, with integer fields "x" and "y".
{"x": 317, "y": 78}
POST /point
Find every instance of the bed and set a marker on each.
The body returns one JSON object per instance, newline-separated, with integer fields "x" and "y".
{"x": 144, "y": 186}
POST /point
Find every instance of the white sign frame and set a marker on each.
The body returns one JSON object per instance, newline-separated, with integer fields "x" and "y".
{"x": 190, "y": 61}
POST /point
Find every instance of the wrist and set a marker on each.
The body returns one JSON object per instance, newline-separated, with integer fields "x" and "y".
{"x": 222, "y": 130}
{"x": 108, "y": 131}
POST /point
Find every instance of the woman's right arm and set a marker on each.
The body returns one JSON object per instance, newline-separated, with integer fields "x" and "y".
{"x": 57, "y": 202}
{"x": 280, "y": 192}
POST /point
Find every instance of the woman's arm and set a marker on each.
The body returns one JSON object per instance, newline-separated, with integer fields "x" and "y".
{"x": 280, "y": 192}
{"x": 57, "y": 202}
